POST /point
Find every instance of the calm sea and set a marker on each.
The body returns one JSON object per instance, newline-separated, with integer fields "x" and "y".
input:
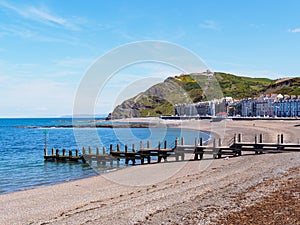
{"x": 22, "y": 141}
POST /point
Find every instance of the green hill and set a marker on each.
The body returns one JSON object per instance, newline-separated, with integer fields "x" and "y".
{"x": 160, "y": 99}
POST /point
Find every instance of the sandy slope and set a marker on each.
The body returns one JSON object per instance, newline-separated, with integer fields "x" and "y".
{"x": 198, "y": 192}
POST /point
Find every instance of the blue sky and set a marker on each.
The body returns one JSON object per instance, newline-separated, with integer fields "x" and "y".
{"x": 47, "y": 46}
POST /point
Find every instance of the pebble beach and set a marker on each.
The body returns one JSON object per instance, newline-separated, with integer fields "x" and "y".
{"x": 251, "y": 189}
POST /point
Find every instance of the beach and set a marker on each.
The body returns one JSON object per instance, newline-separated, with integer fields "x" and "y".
{"x": 221, "y": 191}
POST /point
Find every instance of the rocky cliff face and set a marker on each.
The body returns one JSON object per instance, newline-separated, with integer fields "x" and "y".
{"x": 156, "y": 101}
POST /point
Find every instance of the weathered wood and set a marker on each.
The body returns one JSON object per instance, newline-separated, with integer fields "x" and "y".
{"x": 176, "y": 142}
{"x": 239, "y": 137}
{"x": 160, "y": 152}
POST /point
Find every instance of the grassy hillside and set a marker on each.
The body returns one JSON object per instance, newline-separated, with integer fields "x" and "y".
{"x": 161, "y": 98}
{"x": 241, "y": 87}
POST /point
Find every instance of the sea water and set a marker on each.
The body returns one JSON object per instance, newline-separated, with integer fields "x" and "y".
{"x": 22, "y": 143}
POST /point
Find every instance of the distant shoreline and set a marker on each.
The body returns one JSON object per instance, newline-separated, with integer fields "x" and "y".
{"x": 133, "y": 125}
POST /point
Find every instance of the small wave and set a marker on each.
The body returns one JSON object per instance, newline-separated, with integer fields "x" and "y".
{"x": 111, "y": 170}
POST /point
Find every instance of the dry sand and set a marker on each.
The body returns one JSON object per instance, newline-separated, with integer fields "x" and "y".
{"x": 199, "y": 192}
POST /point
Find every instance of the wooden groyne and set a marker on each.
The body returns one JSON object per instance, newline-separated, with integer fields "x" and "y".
{"x": 161, "y": 151}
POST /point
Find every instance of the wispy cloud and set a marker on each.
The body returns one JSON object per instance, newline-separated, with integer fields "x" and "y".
{"x": 74, "y": 62}
{"x": 17, "y": 31}
{"x": 41, "y": 15}
{"x": 35, "y": 33}
{"x": 123, "y": 34}
{"x": 209, "y": 24}
{"x": 295, "y": 30}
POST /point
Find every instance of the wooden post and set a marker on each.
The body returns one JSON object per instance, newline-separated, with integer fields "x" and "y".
{"x": 176, "y": 142}
{"x": 90, "y": 150}
{"x": 45, "y": 152}
{"x": 76, "y": 152}
{"x": 239, "y": 138}
{"x": 141, "y": 145}
{"x": 52, "y": 151}
{"x": 110, "y": 148}
{"x": 220, "y": 141}
{"x": 278, "y": 139}
{"x": 234, "y": 139}
{"x": 118, "y": 147}
{"x": 126, "y": 148}
{"x": 182, "y": 140}
{"x": 97, "y": 151}
{"x": 148, "y": 144}
{"x": 70, "y": 153}
{"x": 57, "y": 153}
{"x": 255, "y": 139}
{"x": 201, "y": 141}
{"x": 158, "y": 145}
{"x": 83, "y": 150}
{"x": 64, "y": 152}
{"x": 260, "y": 138}
{"x": 133, "y": 150}
{"x": 196, "y": 141}
{"x": 165, "y": 144}
{"x": 104, "y": 150}
{"x": 214, "y": 143}
{"x": 281, "y": 138}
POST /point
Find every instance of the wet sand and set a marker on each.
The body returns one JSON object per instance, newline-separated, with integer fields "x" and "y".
{"x": 189, "y": 192}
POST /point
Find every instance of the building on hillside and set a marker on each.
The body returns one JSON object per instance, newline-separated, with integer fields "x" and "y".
{"x": 208, "y": 108}
{"x": 248, "y": 107}
{"x": 287, "y": 107}
{"x": 264, "y": 105}
{"x": 186, "y": 109}
{"x": 203, "y": 108}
